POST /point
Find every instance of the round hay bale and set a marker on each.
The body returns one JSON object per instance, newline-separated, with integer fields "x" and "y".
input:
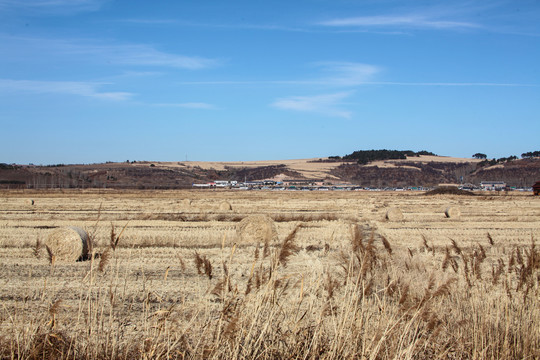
{"x": 394, "y": 214}
{"x": 256, "y": 229}
{"x": 68, "y": 244}
{"x": 186, "y": 202}
{"x": 225, "y": 206}
{"x": 452, "y": 212}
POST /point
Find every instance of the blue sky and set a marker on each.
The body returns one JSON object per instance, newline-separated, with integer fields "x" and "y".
{"x": 85, "y": 81}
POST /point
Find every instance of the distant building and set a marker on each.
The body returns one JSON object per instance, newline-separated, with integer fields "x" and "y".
{"x": 493, "y": 185}
{"x": 303, "y": 182}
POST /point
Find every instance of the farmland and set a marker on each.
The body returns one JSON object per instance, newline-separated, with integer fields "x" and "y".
{"x": 171, "y": 278}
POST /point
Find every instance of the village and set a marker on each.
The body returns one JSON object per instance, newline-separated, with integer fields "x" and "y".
{"x": 323, "y": 185}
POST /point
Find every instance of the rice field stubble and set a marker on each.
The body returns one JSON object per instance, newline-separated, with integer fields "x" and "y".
{"x": 170, "y": 278}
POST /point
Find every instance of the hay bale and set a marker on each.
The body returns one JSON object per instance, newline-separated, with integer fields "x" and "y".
{"x": 68, "y": 244}
{"x": 225, "y": 206}
{"x": 186, "y": 202}
{"x": 452, "y": 212}
{"x": 394, "y": 214}
{"x": 256, "y": 229}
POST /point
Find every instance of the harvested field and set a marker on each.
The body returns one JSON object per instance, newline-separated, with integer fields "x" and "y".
{"x": 172, "y": 279}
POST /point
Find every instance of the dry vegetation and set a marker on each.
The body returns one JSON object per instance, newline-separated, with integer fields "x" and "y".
{"x": 171, "y": 277}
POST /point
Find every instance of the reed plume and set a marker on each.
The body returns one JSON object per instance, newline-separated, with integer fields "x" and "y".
{"x": 456, "y": 248}
{"x": 356, "y": 238}
{"x": 490, "y": 239}
{"x": 104, "y": 259}
{"x": 199, "y": 263}
{"x": 37, "y": 248}
{"x": 207, "y": 267}
{"x": 387, "y": 245}
{"x": 288, "y": 247}
{"x": 51, "y": 256}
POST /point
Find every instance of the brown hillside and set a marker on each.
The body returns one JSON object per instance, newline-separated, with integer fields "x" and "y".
{"x": 417, "y": 171}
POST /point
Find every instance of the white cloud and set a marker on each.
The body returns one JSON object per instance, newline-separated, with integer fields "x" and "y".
{"x": 412, "y": 20}
{"x": 326, "y": 104}
{"x": 86, "y": 89}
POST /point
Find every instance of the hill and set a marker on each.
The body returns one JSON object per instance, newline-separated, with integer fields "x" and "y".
{"x": 416, "y": 170}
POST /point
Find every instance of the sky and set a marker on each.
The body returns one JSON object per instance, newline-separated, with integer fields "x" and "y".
{"x": 89, "y": 81}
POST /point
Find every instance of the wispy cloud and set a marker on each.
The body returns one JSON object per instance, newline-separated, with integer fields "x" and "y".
{"x": 346, "y": 73}
{"x": 146, "y": 55}
{"x": 232, "y": 26}
{"x": 450, "y": 84}
{"x": 88, "y": 50}
{"x": 138, "y": 74}
{"x": 61, "y": 7}
{"x": 142, "y": 21}
{"x": 329, "y": 73}
{"x": 188, "y": 105}
{"x": 86, "y": 89}
{"x": 364, "y": 83}
{"x": 325, "y": 104}
{"x": 503, "y": 16}
{"x": 417, "y": 21}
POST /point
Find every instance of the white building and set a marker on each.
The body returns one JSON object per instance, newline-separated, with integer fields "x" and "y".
{"x": 492, "y": 185}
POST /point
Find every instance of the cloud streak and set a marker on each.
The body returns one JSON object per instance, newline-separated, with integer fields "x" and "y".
{"x": 414, "y": 21}
{"x": 366, "y": 83}
{"x": 122, "y": 54}
{"x": 147, "y": 56}
{"x": 47, "y": 7}
{"x": 325, "y": 104}
{"x": 347, "y": 73}
{"x": 141, "y": 21}
{"x": 86, "y": 89}
{"x": 465, "y": 84}
{"x": 331, "y": 73}
{"x": 188, "y": 105}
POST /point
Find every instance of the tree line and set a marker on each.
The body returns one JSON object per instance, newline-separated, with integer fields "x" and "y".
{"x": 366, "y": 156}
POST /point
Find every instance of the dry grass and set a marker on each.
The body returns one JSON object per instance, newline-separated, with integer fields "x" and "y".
{"x": 352, "y": 286}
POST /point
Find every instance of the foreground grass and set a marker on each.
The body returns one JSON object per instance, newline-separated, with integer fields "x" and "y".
{"x": 368, "y": 299}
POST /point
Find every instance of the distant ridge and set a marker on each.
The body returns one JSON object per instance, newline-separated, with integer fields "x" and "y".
{"x": 414, "y": 170}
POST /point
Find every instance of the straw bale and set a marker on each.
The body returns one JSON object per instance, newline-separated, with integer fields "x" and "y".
{"x": 452, "y": 212}
{"x": 225, "y": 206}
{"x": 186, "y": 202}
{"x": 257, "y": 229}
{"x": 394, "y": 214}
{"x": 68, "y": 244}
